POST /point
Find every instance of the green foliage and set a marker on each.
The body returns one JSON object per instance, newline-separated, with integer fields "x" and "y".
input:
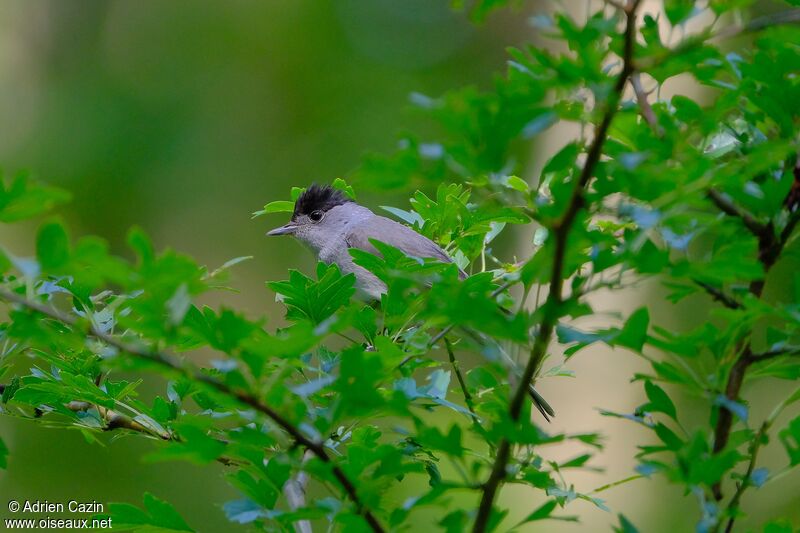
{"x": 3, "y": 455}
{"x": 157, "y": 515}
{"x": 368, "y": 398}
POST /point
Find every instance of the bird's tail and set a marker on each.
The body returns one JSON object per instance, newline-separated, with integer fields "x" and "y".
{"x": 541, "y": 404}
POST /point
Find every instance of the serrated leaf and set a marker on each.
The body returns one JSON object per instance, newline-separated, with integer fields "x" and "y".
{"x": 157, "y": 513}
{"x": 52, "y": 246}
{"x": 659, "y": 400}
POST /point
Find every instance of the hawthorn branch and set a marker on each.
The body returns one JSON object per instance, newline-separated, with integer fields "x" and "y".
{"x": 747, "y": 480}
{"x": 772, "y": 354}
{"x": 644, "y": 104}
{"x": 794, "y": 219}
{"x": 725, "y": 205}
{"x": 165, "y": 361}
{"x": 770, "y": 247}
{"x": 719, "y": 295}
{"x": 561, "y": 232}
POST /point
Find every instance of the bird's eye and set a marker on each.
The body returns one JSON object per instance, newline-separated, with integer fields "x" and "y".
{"x": 316, "y": 216}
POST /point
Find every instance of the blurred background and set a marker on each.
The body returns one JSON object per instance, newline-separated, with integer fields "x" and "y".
{"x": 184, "y": 117}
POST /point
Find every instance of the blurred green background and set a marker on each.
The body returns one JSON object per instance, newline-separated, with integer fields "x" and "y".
{"x": 185, "y": 116}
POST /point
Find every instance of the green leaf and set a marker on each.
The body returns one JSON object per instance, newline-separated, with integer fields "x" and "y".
{"x": 668, "y": 437}
{"x": 278, "y": 206}
{"x": 544, "y": 512}
{"x": 625, "y": 525}
{"x": 140, "y": 243}
{"x": 678, "y": 10}
{"x": 157, "y": 514}
{"x": 22, "y": 199}
{"x": 195, "y": 446}
{"x": 779, "y": 526}
{"x": 10, "y": 390}
{"x": 342, "y": 185}
{"x": 790, "y": 437}
{"x": 516, "y": 183}
{"x": 315, "y": 300}
{"x": 659, "y": 400}
{"x": 3, "y": 455}
{"x": 52, "y": 246}
{"x": 634, "y": 333}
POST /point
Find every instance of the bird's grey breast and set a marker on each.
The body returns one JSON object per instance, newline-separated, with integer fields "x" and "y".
{"x": 340, "y": 223}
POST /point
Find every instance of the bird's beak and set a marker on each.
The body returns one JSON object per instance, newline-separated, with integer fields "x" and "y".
{"x": 286, "y": 229}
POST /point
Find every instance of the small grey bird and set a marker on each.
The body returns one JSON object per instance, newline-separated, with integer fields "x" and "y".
{"x": 331, "y": 223}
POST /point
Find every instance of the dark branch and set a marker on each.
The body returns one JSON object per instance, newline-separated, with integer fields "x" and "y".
{"x": 747, "y": 480}
{"x": 772, "y": 354}
{"x": 554, "y": 299}
{"x": 719, "y": 295}
{"x": 242, "y": 397}
{"x": 770, "y": 247}
{"x": 725, "y": 205}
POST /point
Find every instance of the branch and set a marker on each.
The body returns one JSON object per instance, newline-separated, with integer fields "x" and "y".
{"x": 454, "y": 363}
{"x": 554, "y": 298}
{"x": 725, "y": 205}
{"x": 754, "y": 447}
{"x": 794, "y": 218}
{"x": 295, "y": 491}
{"x": 766, "y": 356}
{"x": 116, "y": 420}
{"x": 719, "y": 295}
{"x": 770, "y": 247}
{"x": 644, "y": 104}
{"x": 242, "y": 397}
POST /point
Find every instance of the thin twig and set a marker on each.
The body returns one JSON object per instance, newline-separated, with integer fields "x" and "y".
{"x": 644, "y": 105}
{"x": 242, "y": 397}
{"x": 725, "y": 205}
{"x": 554, "y": 299}
{"x": 772, "y": 354}
{"x": 719, "y": 295}
{"x": 461, "y": 383}
{"x": 747, "y": 480}
{"x": 794, "y": 219}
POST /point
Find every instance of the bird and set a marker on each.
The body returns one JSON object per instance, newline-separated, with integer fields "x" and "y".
{"x": 331, "y": 223}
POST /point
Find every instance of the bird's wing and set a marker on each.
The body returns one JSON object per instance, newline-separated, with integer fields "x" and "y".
{"x": 395, "y": 234}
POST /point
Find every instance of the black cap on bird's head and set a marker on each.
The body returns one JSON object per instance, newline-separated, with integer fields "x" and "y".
{"x": 318, "y": 198}
{"x": 313, "y": 203}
